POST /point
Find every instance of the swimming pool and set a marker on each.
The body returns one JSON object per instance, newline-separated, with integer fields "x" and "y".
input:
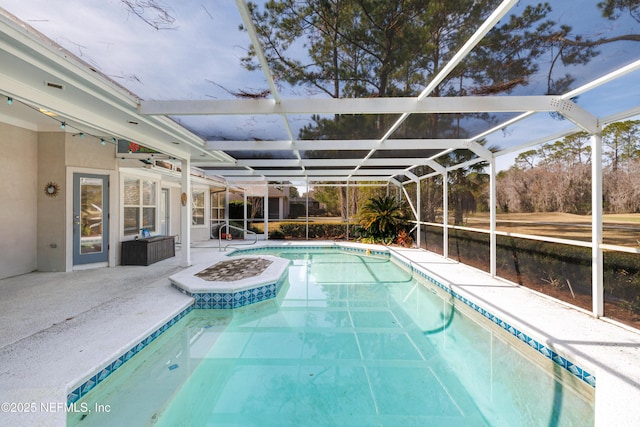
{"x": 352, "y": 339}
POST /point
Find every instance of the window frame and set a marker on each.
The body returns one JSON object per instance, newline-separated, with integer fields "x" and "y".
{"x": 219, "y": 196}
{"x": 194, "y": 207}
{"x": 142, "y": 206}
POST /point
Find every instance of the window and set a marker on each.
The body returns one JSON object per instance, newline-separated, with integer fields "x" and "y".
{"x": 217, "y": 205}
{"x": 140, "y": 205}
{"x": 197, "y": 208}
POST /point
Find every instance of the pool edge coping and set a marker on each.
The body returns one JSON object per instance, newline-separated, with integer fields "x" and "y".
{"x": 79, "y": 388}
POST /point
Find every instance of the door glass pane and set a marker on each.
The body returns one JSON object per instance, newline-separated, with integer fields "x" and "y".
{"x": 90, "y": 215}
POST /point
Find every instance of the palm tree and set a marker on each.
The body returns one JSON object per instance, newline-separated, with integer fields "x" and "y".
{"x": 382, "y": 217}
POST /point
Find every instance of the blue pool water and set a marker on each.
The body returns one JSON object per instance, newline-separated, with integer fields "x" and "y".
{"x": 351, "y": 340}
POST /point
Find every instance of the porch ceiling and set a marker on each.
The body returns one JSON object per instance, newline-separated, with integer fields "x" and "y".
{"x": 178, "y": 111}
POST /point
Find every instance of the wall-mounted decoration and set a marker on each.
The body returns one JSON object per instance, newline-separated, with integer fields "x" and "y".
{"x": 130, "y": 147}
{"x": 183, "y": 199}
{"x": 51, "y": 189}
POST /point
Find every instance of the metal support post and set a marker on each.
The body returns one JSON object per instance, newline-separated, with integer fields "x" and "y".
{"x": 492, "y": 218}
{"x": 597, "y": 262}
{"x": 185, "y": 213}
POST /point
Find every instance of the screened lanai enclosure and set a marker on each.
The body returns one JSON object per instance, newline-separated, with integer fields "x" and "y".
{"x": 508, "y": 129}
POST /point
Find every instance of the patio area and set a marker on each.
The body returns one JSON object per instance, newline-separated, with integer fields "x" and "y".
{"x": 59, "y": 328}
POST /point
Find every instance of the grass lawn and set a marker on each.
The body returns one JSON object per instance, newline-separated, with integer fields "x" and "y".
{"x": 619, "y": 229}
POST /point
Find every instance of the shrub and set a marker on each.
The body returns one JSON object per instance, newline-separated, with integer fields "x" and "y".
{"x": 276, "y": 235}
{"x": 317, "y": 230}
{"x": 404, "y": 239}
{"x": 382, "y": 218}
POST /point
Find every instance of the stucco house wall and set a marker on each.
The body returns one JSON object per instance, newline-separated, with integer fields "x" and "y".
{"x": 18, "y": 200}
{"x": 37, "y": 229}
{"x": 51, "y": 210}
{"x": 34, "y": 226}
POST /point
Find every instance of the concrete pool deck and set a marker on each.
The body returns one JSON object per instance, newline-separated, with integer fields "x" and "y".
{"x": 58, "y": 328}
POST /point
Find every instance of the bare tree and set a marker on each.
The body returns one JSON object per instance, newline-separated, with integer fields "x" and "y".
{"x": 557, "y": 176}
{"x": 151, "y": 12}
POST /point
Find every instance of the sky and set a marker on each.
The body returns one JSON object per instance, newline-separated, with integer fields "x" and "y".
{"x": 199, "y": 51}
{"x": 198, "y": 57}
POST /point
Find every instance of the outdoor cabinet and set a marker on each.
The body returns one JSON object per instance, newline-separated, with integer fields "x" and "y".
{"x": 148, "y": 250}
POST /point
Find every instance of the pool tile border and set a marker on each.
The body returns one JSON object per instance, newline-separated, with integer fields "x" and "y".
{"x": 96, "y": 379}
{"x": 314, "y": 247}
{"x": 201, "y": 301}
{"x": 544, "y": 350}
{"x": 238, "y": 299}
{"x": 231, "y": 300}
{"x": 231, "y": 294}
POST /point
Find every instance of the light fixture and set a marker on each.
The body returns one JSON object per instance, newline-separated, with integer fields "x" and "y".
{"x": 102, "y": 141}
{"x": 9, "y": 100}
{"x": 47, "y": 112}
{"x": 62, "y": 125}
